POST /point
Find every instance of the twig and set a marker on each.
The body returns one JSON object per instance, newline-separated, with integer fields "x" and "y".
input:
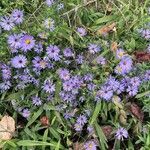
{"x": 33, "y": 14}
{"x": 77, "y": 7}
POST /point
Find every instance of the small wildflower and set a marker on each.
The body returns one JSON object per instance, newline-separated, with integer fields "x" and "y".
{"x": 49, "y": 2}
{"x": 93, "y": 48}
{"x": 81, "y": 31}
{"x": 121, "y": 133}
{"x": 25, "y": 113}
{"x": 17, "y": 16}
{"x": 49, "y": 24}
{"x": 6, "y": 23}
{"x": 27, "y": 42}
{"x": 19, "y": 61}
{"x": 78, "y": 127}
{"x": 90, "y": 145}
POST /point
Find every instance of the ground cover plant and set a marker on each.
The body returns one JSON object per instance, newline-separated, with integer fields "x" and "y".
{"x": 75, "y": 75}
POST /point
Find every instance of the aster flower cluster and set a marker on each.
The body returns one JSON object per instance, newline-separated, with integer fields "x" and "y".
{"x": 15, "y": 18}
{"x": 60, "y": 75}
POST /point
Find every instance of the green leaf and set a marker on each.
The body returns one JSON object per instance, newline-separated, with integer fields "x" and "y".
{"x": 105, "y": 19}
{"x": 45, "y": 138}
{"x": 54, "y": 133}
{"x": 34, "y": 117}
{"x": 33, "y": 143}
{"x": 11, "y": 143}
{"x": 15, "y": 96}
{"x": 116, "y": 144}
{"x": 58, "y": 145}
{"x": 96, "y": 113}
{"x": 142, "y": 94}
{"x": 102, "y": 138}
{"x": 58, "y": 89}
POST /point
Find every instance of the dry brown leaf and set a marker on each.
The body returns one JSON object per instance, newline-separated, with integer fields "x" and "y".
{"x": 106, "y": 29}
{"x": 136, "y": 111}
{"x": 107, "y": 130}
{"x": 142, "y": 56}
{"x": 114, "y": 46}
{"x": 7, "y": 128}
{"x": 78, "y": 146}
{"x": 44, "y": 121}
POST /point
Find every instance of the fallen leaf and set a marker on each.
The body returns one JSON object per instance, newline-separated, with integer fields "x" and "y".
{"x": 44, "y": 121}
{"x": 136, "y": 111}
{"x": 107, "y": 130}
{"x": 106, "y": 29}
{"x": 7, "y": 128}
{"x": 109, "y": 7}
{"x": 114, "y": 46}
{"x": 142, "y": 56}
{"x": 78, "y": 146}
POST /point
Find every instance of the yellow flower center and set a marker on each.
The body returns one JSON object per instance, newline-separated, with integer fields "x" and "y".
{"x": 27, "y": 41}
{"x": 42, "y": 64}
{"x": 119, "y": 69}
{"x": 90, "y": 145}
{"x": 121, "y": 54}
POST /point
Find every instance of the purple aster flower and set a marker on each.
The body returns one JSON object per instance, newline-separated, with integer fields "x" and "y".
{"x": 17, "y": 16}
{"x": 120, "y": 53}
{"x": 135, "y": 81}
{"x": 121, "y": 133}
{"x": 6, "y": 72}
{"x": 78, "y": 127}
{"x": 67, "y": 96}
{"x": 101, "y": 60}
{"x": 76, "y": 81}
{"x": 125, "y": 66}
{"x": 49, "y": 2}
{"x": 64, "y": 74}
{"x": 36, "y": 101}
{"x": 49, "y": 24}
{"x": 105, "y": 92}
{"x": 48, "y": 86}
{"x": 5, "y": 86}
{"x": 68, "y": 52}
{"x": 115, "y": 85}
{"x": 19, "y": 61}
{"x": 81, "y": 31}
{"x": 88, "y": 77}
{"x": 91, "y": 86}
{"x": 27, "y": 42}
{"x": 90, "y": 129}
{"x": 53, "y": 52}
{"x": 132, "y": 90}
{"x": 125, "y": 81}
{"x": 80, "y": 59}
{"x": 90, "y": 145}
{"x": 145, "y": 33}
{"x": 25, "y": 113}
{"x": 38, "y": 48}
{"x": 14, "y": 41}
{"x": 36, "y": 62}
{"x": 82, "y": 120}
{"x": 147, "y": 75}
{"x": 93, "y": 48}
{"x": 67, "y": 85}
{"x": 6, "y": 23}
